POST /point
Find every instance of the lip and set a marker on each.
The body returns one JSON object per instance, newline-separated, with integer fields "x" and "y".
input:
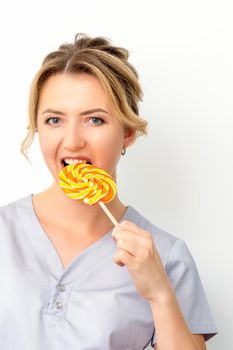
{"x": 75, "y": 157}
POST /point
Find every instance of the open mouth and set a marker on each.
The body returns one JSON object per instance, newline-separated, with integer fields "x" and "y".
{"x": 78, "y": 161}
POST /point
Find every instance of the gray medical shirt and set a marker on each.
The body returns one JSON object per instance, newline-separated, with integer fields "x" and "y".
{"x": 93, "y": 303}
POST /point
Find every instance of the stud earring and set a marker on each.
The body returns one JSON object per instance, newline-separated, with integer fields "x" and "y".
{"x": 123, "y": 151}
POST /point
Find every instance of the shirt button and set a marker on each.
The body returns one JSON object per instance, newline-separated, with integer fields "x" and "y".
{"x": 61, "y": 287}
{"x": 59, "y": 305}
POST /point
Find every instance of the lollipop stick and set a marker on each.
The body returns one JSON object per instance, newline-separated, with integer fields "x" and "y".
{"x": 107, "y": 212}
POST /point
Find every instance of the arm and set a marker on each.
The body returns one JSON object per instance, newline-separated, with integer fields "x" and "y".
{"x": 199, "y": 338}
{"x": 171, "y": 328}
{"x": 136, "y": 250}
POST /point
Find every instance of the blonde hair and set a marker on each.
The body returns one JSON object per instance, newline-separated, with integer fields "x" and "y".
{"x": 99, "y": 58}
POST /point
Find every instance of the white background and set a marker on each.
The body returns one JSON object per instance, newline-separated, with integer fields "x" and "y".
{"x": 180, "y": 176}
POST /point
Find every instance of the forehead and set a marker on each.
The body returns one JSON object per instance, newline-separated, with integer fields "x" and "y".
{"x": 78, "y": 90}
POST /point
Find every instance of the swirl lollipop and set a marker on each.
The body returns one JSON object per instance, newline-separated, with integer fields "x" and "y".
{"x": 89, "y": 184}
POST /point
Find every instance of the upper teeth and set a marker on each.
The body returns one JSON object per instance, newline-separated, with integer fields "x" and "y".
{"x": 74, "y": 161}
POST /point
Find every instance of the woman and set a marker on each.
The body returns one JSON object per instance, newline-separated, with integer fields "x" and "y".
{"x": 72, "y": 280}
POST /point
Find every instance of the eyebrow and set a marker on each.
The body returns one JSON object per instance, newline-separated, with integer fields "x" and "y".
{"x": 82, "y": 113}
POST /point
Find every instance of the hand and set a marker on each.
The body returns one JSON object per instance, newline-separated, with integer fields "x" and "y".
{"x": 136, "y": 250}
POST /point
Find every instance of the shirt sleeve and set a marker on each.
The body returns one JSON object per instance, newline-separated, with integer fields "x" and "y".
{"x": 184, "y": 276}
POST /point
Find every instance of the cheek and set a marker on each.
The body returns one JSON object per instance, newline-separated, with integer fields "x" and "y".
{"x": 46, "y": 146}
{"x": 110, "y": 143}
{"x": 112, "y": 137}
{"x": 42, "y": 142}
{"x": 108, "y": 151}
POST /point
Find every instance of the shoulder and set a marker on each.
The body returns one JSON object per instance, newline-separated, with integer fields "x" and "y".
{"x": 8, "y": 210}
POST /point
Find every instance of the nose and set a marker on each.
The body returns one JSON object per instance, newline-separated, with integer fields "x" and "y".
{"x": 73, "y": 137}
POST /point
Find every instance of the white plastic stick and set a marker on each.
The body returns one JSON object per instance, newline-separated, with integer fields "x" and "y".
{"x": 107, "y": 212}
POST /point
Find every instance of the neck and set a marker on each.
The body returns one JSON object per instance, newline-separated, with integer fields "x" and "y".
{"x": 70, "y": 213}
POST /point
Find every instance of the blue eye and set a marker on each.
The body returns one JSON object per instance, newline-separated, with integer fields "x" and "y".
{"x": 52, "y": 118}
{"x": 96, "y": 120}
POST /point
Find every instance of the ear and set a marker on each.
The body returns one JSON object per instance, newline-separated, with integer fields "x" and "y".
{"x": 129, "y": 136}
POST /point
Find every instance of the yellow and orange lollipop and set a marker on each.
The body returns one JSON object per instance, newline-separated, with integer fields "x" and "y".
{"x": 90, "y": 184}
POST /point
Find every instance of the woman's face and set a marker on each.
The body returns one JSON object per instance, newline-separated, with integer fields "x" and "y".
{"x": 76, "y": 119}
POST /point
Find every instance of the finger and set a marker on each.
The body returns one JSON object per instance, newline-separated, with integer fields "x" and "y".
{"x": 123, "y": 258}
{"x": 132, "y": 227}
{"x": 129, "y": 246}
{"x": 127, "y": 225}
{"x": 144, "y": 240}
{"x": 128, "y": 235}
